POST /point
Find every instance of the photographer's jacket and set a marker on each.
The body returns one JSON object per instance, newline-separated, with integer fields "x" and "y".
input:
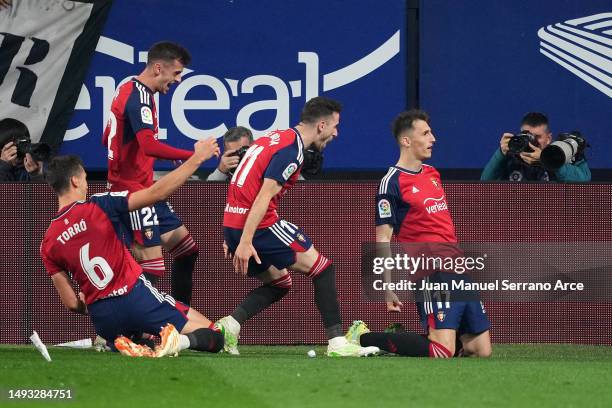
{"x": 512, "y": 168}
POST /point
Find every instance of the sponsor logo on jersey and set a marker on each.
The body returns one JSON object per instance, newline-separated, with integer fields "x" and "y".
{"x": 415, "y": 190}
{"x": 434, "y": 205}
{"x": 441, "y": 315}
{"x": 148, "y": 233}
{"x": 235, "y": 210}
{"x": 146, "y": 115}
{"x": 291, "y": 168}
{"x": 384, "y": 208}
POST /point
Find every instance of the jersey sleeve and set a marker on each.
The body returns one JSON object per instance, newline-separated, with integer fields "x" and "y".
{"x": 114, "y": 204}
{"x": 284, "y": 164}
{"x": 139, "y": 111}
{"x": 51, "y": 265}
{"x": 387, "y": 199}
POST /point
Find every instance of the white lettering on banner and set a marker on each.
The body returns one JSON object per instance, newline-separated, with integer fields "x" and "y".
{"x": 225, "y": 90}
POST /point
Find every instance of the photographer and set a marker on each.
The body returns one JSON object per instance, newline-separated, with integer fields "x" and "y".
{"x": 233, "y": 140}
{"x": 525, "y": 165}
{"x": 16, "y": 162}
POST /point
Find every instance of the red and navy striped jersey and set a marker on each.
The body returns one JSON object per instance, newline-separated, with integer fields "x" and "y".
{"x": 415, "y": 205}
{"x": 132, "y": 110}
{"x": 84, "y": 239}
{"x": 278, "y": 156}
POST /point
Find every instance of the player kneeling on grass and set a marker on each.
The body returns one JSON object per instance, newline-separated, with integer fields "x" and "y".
{"x": 84, "y": 239}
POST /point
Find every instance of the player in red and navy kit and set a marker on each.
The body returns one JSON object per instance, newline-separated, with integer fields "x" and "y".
{"x": 131, "y": 139}
{"x": 411, "y": 204}
{"x": 262, "y": 244}
{"x": 85, "y": 240}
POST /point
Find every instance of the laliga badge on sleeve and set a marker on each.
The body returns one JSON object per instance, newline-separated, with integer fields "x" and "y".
{"x": 384, "y": 208}
{"x": 40, "y": 346}
{"x": 289, "y": 171}
{"x": 146, "y": 115}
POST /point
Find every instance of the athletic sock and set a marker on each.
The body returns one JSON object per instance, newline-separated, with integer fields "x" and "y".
{"x": 260, "y": 298}
{"x": 326, "y": 297}
{"x": 185, "y": 254}
{"x": 405, "y": 344}
{"x": 205, "y": 340}
{"x": 153, "y": 269}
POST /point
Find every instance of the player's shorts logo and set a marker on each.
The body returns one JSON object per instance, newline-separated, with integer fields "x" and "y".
{"x": 384, "y": 208}
{"x": 289, "y": 171}
{"x": 441, "y": 315}
{"x": 148, "y": 233}
{"x": 146, "y": 115}
{"x": 300, "y": 237}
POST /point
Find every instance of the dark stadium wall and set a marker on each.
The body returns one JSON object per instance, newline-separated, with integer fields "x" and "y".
{"x": 338, "y": 217}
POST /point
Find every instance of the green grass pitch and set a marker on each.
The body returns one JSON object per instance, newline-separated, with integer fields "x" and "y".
{"x": 281, "y": 376}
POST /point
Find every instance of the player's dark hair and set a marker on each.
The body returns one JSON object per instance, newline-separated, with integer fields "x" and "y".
{"x": 319, "y": 107}
{"x": 11, "y": 130}
{"x": 60, "y": 169}
{"x": 236, "y": 133}
{"x": 406, "y": 119}
{"x": 535, "y": 119}
{"x": 168, "y": 51}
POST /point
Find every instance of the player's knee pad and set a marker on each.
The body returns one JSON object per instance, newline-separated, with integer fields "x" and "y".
{"x": 186, "y": 247}
{"x": 320, "y": 265}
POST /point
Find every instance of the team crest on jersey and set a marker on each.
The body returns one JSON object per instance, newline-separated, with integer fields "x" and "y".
{"x": 146, "y": 115}
{"x": 435, "y": 183}
{"x": 384, "y": 208}
{"x": 289, "y": 171}
{"x": 148, "y": 233}
{"x": 274, "y": 139}
{"x": 441, "y": 315}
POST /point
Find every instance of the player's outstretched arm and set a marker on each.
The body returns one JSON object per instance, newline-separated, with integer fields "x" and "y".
{"x": 245, "y": 249}
{"x": 203, "y": 150}
{"x": 67, "y": 295}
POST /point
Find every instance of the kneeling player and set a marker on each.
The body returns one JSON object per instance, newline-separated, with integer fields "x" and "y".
{"x": 404, "y": 207}
{"x": 84, "y": 239}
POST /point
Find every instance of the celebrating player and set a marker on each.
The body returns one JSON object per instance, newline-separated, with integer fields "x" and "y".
{"x": 84, "y": 239}
{"x": 263, "y": 245}
{"x": 131, "y": 138}
{"x": 403, "y": 200}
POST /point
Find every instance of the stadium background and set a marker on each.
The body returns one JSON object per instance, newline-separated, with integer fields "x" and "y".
{"x": 475, "y": 66}
{"x": 338, "y": 216}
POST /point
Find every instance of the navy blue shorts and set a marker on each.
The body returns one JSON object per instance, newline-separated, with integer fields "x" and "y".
{"x": 149, "y": 223}
{"x": 143, "y": 309}
{"x": 276, "y": 245}
{"x": 439, "y": 311}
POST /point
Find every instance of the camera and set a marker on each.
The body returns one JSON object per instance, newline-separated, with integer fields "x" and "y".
{"x": 39, "y": 151}
{"x": 519, "y": 143}
{"x": 240, "y": 153}
{"x": 313, "y": 161}
{"x": 568, "y": 148}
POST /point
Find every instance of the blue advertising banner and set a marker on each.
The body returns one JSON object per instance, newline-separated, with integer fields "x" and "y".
{"x": 255, "y": 64}
{"x": 484, "y": 64}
